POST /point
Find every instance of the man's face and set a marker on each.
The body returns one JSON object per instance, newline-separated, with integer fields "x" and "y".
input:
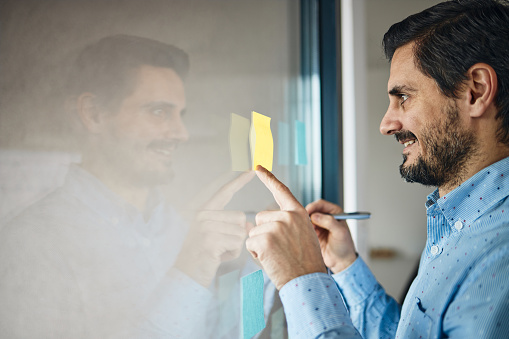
{"x": 141, "y": 135}
{"x": 427, "y": 123}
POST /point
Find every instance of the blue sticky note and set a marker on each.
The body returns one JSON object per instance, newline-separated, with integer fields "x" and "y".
{"x": 300, "y": 143}
{"x": 251, "y": 297}
{"x": 283, "y": 133}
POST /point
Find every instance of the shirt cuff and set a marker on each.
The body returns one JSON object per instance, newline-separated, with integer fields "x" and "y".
{"x": 356, "y": 282}
{"x": 313, "y": 305}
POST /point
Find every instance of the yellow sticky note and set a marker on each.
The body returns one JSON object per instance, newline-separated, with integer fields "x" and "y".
{"x": 239, "y": 138}
{"x": 260, "y": 138}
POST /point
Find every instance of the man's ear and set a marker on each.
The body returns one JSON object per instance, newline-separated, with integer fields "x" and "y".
{"x": 89, "y": 113}
{"x": 480, "y": 89}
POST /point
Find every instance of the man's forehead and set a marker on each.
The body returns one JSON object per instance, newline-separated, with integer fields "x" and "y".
{"x": 403, "y": 71}
{"x": 158, "y": 80}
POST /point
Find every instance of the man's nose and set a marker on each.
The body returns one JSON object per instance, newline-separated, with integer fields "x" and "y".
{"x": 390, "y": 123}
{"x": 176, "y": 129}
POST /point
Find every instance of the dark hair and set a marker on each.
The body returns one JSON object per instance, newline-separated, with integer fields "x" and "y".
{"x": 452, "y": 36}
{"x": 107, "y": 67}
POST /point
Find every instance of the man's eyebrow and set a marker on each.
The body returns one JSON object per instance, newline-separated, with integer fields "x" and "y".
{"x": 153, "y": 104}
{"x": 163, "y": 104}
{"x": 399, "y": 89}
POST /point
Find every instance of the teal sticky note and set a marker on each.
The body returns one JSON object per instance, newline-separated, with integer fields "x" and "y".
{"x": 283, "y": 133}
{"x": 251, "y": 298}
{"x": 300, "y": 143}
{"x": 229, "y": 301}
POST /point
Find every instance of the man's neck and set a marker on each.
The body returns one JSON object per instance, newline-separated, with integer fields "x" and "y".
{"x": 476, "y": 164}
{"x": 135, "y": 195}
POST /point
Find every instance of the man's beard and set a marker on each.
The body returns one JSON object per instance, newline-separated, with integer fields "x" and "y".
{"x": 447, "y": 147}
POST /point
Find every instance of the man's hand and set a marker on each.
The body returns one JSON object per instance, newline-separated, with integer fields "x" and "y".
{"x": 336, "y": 242}
{"x": 215, "y": 236}
{"x": 284, "y": 241}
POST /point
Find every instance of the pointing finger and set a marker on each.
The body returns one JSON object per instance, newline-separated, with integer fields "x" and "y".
{"x": 225, "y": 193}
{"x": 281, "y": 193}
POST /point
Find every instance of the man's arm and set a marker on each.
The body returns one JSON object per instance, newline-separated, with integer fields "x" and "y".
{"x": 286, "y": 245}
{"x": 62, "y": 278}
{"x": 373, "y": 312}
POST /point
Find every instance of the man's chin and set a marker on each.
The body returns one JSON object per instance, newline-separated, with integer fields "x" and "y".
{"x": 420, "y": 172}
{"x": 156, "y": 178}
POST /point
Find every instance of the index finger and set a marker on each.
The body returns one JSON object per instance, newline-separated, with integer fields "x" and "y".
{"x": 225, "y": 193}
{"x": 281, "y": 193}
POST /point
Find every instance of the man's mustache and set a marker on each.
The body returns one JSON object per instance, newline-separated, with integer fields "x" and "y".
{"x": 164, "y": 144}
{"x": 404, "y": 135}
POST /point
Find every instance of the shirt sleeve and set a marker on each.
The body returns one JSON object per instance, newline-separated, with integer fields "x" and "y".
{"x": 374, "y": 313}
{"x": 314, "y": 308}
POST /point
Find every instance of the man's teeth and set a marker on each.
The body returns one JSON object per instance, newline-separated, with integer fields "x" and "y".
{"x": 408, "y": 143}
{"x": 163, "y": 151}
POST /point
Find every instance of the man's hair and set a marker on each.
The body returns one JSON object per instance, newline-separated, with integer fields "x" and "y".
{"x": 452, "y": 36}
{"x": 107, "y": 68}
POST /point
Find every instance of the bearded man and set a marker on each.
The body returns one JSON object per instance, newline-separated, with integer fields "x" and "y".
{"x": 449, "y": 107}
{"x": 106, "y": 255}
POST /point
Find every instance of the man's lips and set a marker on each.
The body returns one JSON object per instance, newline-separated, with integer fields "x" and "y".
{"x": 165, "y": 148}
{"x": 407, "y": 139}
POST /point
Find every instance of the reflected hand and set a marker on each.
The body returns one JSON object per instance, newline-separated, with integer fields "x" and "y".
{"x": 338, "y": 249}
{"x": 215, "y": 235}
{"x": 284, "y": 241}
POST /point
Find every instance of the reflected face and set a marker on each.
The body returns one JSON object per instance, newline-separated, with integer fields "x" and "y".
{"x": 428, "y": 124}
{"x": 141, "y": 136}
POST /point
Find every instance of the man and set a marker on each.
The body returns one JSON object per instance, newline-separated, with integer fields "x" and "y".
{"x": 104, "y": 255}
{"x": 449, "y": 107}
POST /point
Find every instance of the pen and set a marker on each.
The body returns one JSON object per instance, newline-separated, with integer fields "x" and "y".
{"x": 341, "y": 216}
{"x": 352, "y": 215}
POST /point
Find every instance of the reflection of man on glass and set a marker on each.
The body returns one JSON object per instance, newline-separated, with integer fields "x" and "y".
{"x": 103, "y": 256}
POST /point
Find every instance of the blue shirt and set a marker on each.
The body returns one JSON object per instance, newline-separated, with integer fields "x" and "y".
{"x": 83, "y": 263}
{"x": 461, "y": 290}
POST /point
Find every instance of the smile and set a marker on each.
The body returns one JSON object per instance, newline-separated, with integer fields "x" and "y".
{"x": 164, "y": 152}
{"x": 409, "y": 142}
{"x": 163, "y": 148}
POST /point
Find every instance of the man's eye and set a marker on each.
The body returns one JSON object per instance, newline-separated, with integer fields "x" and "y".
{"x": 403, "y": 98}
{"x": 158, "y": 112}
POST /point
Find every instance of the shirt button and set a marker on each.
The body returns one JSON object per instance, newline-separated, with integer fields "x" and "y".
{"x": 145, "y": 242}
{"x": 434, "y": 249}
{"x": 458, "y": 225}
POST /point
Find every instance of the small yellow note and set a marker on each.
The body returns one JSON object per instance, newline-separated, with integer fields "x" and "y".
{"x": 239, "y": 139}
{"x": 260, "y": 138}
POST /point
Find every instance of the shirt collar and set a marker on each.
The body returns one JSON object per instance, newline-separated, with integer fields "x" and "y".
{"x": 475, "y": 196}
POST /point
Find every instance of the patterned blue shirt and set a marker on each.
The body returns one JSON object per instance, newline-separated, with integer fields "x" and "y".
{"x": 461, "y": 290}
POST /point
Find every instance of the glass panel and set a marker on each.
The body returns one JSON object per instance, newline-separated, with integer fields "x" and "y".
{"x": 103, "y": 178}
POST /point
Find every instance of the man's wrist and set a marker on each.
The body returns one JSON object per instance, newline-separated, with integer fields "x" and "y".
{"x": 344, "y": 264}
